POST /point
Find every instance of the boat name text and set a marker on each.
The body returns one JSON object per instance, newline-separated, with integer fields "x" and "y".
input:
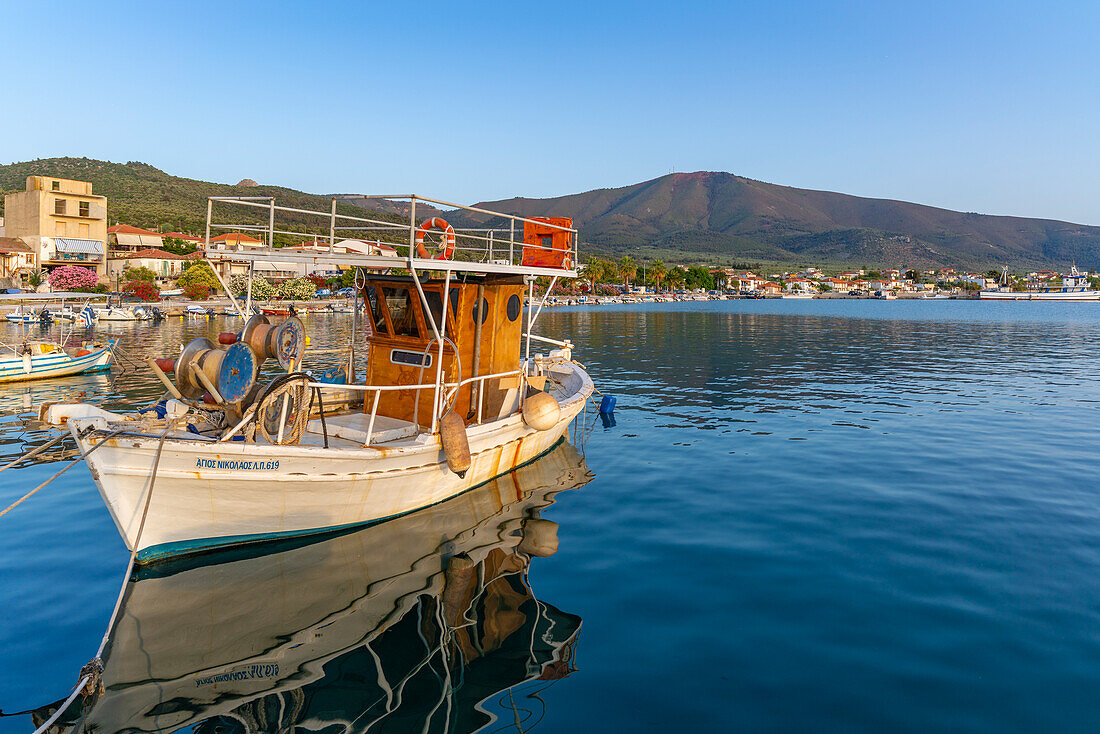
{"x": 237, "y": 465}
{"x": 266, "y": 670}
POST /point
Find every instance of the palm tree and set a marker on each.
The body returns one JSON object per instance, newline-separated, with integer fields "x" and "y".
{"x": 627, "y": 269}
{"x": 657, "y": 273}
{"x": 676, "y": 277}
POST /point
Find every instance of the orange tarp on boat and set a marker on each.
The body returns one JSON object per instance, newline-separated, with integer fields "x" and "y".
{"x": 546, "y": 246}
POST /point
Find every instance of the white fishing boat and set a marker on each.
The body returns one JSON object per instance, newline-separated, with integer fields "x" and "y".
{"x": 798, "y": 295}
{"x": 355, "y": 599}
{"x": 25, "y": 315}
{"x": 116, "y": 312}
{"x": 37, "y": 359}
{"x": 1075, "y": 287}
{"x": 452, "y": 396}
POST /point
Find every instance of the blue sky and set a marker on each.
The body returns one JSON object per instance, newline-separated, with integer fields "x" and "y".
{"x": 988, "y": 107}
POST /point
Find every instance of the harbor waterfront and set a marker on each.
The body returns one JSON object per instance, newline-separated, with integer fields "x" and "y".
{"x": 822, "y": 515}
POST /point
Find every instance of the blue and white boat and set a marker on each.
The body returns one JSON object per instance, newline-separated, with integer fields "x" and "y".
{"x": 35, "y": 360}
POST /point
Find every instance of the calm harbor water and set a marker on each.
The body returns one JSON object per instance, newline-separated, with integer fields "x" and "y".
{"x": 850, "y": 516}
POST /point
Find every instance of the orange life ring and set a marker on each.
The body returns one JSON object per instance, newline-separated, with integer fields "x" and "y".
{"x": 448, "y": 239}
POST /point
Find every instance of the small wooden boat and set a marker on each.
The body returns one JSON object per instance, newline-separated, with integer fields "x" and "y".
{"x": 452, "y": 396}
{"x": 275, "y": 311}
{"x": 34, "y": 360}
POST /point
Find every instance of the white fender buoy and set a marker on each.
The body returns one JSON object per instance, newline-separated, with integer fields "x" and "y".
{"x": 541, "y": 411}
{"x": 456, "y": 445}
{"x": 540, "y": 538}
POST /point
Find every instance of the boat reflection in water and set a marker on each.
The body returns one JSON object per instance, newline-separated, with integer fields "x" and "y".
{"x": 423, "y": 623}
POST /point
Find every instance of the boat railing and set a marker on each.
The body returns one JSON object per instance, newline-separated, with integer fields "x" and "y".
{"x": 452, "y": 389}
{"x": 479, "y": 240}
{"x": 548, "y": 340}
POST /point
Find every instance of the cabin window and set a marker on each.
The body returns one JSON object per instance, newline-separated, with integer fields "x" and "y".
{"x": 377, "y": 319}
{"x": 435, "y": 305}
{"x": 402, "y": 307}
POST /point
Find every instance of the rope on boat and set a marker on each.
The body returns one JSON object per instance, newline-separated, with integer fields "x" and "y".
{"x": 91, "y": 684}
{"x": 64, "y": 707}
{"x": 64, "y": 469}
{"x": 33, "y": 452}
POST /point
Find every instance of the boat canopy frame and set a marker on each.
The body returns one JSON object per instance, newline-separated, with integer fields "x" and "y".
{"x": 484, "y": 250}
{"x": 487, "y": 258}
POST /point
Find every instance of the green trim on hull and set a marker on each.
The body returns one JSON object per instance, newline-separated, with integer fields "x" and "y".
{"x": 175, "y": 551}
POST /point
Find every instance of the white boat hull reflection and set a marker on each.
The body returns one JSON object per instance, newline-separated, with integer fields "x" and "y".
{"x": 341, "y": 632}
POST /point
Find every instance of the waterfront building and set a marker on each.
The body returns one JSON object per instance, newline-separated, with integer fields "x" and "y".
{"x": 219, "y": 253}
{"x": 187, "y": 239}
{"x": 166, "y": 265}
{"x": 801, "y": 285}
{"x": 61, "y": 220}
{"x": 16, "y": 257}
{"x": 124, "y": 239}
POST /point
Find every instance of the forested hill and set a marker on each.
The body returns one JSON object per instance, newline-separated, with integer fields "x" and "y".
{"x": 726, "y": 215}
{"x": 144, "y": 196}
{"x": 683, "y": 216}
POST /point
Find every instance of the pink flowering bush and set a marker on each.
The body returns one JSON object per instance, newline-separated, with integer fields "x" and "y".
{"x": 73, "y": 278}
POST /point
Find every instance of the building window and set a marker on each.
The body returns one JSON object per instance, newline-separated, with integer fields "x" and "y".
{"x": 59, "y": 206}
{"x": 85, "y": 208}
{"x": 56, "y": 185}
{"x": 84, "y": 231}
{"x": 60, "y": 229}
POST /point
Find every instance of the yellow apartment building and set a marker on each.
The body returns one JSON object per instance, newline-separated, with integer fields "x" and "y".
{"x": 61, "y": 220}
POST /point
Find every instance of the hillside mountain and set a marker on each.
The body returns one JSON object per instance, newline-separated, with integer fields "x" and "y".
{"x": 681, "y": 217}
{"x": 144, "y": 196}
{"x": 720, "y": 214}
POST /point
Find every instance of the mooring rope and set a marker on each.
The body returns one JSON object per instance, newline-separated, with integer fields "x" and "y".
{"x": 64, "y": 469}
{"x": 90, "y": 682}
{"x": 34, "y": 452}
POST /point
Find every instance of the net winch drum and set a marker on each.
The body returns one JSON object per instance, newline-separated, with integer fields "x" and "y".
{"x": 233, "y": 371}
{"x": 284, "y": 342}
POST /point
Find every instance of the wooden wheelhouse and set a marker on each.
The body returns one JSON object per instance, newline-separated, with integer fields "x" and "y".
{"x": 481, "y": 331}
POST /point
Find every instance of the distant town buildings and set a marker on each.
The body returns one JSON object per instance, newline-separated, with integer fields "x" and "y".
{"x": 61, "y": 221}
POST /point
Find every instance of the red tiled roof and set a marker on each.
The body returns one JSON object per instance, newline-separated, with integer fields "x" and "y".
{"x": 235, "y": 237}
{"x": 127, "y": 229}
{"x": 13, "y": 244}
{"x": 151, "y": 253}
{"x": 185, "y": 237}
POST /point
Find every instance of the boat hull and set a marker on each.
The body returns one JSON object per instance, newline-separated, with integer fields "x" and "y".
{"x": 14, "y": 368}
{"x": 1040, "y": 296}
{"x": 212, "y": 495}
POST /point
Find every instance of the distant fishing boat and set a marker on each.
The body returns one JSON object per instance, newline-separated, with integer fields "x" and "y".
{"x": 122, "y": 313}
{"x": 35, "y": 360}
{"x": 1075, "y": 287}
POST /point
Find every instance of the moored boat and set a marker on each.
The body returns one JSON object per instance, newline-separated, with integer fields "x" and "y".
{"x": 1075, "y": 287}
{"x": 350, "y": 647}
{"x": 452, "y": 396}
{"x": 34, "y": 360}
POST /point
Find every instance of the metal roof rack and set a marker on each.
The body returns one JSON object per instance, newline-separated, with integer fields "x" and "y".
{"x": 494, "y": 247}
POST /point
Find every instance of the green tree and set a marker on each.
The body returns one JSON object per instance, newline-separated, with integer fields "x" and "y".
{"x": 627, "y": 269}
{"x": 142, "y": 273}
{"x": 199, "y": 274}
{"x": 657, "y": 272}
{"x": 676, "y": 278}
{"x": 177, "y": 246}
{"x": 296, "y": 289}
{"x": 699, "y": 277}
